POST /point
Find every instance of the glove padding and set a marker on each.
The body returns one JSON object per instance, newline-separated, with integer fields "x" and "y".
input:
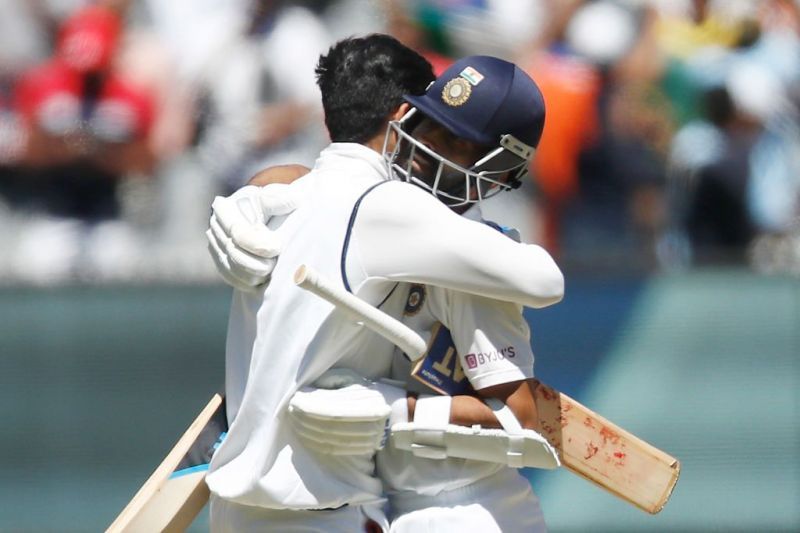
{"x": 431, "y": 435}
{"x": 244, "y": 250}
{"x": 350, "y": 419}
{"x": 524, "y": 449}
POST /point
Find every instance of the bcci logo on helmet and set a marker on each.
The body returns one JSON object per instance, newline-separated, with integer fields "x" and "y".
{"x": 456, "y": 92}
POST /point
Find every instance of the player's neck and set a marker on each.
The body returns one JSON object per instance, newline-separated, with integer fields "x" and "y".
{"x": 376, "y": 143}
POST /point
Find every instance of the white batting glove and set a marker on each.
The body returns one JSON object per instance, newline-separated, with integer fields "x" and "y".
{"x": 431, "y": 435}
{"x": 244, "y": 250}
{"x": 350, "y": 420}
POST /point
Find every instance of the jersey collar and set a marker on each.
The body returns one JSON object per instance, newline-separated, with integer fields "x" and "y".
{"x": 354, "y": 155}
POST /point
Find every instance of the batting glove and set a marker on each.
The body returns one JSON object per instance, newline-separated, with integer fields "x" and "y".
{"x": 243, "y": 248}
{"x": 347, "y": 414}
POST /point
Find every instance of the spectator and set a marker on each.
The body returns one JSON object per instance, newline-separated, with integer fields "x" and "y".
{"x": 600, "y": 165}
{"x": 405, "y": 25}
{"x": 86, "y": 128}
{"x": 257, "y": 87}
{"x": 730, "y": 170}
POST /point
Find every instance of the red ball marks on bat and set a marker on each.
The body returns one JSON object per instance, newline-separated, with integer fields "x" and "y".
{"x": 547, "y": 392}
{"x": 609, "y": 436}
{"x": 620, "y": 458}
{"x": 591, "y": 450}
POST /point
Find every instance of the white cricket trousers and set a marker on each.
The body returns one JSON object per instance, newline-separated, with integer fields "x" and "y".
{"x": 229, "y": 517}
{"x": 502, "y": 503}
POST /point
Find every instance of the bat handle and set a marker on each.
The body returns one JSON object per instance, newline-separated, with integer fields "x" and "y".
{"x": 376, "y": 320}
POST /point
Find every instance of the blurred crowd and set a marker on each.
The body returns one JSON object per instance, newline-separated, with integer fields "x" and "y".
{"x": 671, "y": 140}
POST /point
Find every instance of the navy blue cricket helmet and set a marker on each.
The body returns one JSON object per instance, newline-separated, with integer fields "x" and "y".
{"x": 487, "y": 101}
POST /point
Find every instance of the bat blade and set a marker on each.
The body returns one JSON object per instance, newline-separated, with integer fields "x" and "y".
{"x": 175, "y": 493}
{"x": 604, "y": 453}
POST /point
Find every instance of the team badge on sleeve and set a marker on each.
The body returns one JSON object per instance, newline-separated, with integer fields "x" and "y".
{"x": 416, "y": 297}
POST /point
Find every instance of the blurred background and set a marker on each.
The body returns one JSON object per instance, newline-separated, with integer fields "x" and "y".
{"x": 667, "y": 185}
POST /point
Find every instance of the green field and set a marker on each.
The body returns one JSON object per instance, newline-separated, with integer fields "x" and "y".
{"x": 98, "y": 383}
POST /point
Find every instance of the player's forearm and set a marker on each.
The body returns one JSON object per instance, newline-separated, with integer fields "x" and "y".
{"x": 504, "y": 270}
{"x": 488, "y": 264}
{"x": 471, "y": 410}
{"x": 464, "y": 411}
{"x": 430, "y": 244}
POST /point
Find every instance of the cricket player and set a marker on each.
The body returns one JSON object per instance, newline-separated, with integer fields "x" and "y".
{"x": 490, "y": 339}
{"x": 456, "y": 479}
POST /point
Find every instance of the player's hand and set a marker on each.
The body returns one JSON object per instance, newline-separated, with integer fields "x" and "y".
{"x": 243, "y": 248}
{"x": 350, "y": 420}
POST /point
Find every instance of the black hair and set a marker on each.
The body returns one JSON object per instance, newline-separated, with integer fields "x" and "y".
{"x": 363, "y": 80}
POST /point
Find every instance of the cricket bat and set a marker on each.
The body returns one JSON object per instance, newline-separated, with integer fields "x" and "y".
{"x": 176, "y": 492}
{"x": 605, "y": 454}
{"x": 588, "y": 445}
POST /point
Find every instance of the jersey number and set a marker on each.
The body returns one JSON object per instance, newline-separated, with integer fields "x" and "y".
{"x": 440, "y": 367}
{"x": 450, "y": 366}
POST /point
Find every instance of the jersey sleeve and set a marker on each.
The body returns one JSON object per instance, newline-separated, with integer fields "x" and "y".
{"x": 474, "y": 342}
{"x": 406, "y": 234}
{"x": 492, "y": 339}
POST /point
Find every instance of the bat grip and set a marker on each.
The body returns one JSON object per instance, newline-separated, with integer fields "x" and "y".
{"x": 376, "y": 320}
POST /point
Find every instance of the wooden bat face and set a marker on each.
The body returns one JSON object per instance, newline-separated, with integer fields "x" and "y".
{"x": 175, "y": 493}
{"x": 605, "y": 454}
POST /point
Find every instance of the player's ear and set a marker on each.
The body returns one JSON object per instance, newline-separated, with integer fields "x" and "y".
{"x": 400, "y": 112}
{"x": 397, "y": 114}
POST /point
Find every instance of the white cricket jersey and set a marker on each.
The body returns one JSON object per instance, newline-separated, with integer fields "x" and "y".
{"x": 492, "y": 347}
{"x": 283, "y": 337}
